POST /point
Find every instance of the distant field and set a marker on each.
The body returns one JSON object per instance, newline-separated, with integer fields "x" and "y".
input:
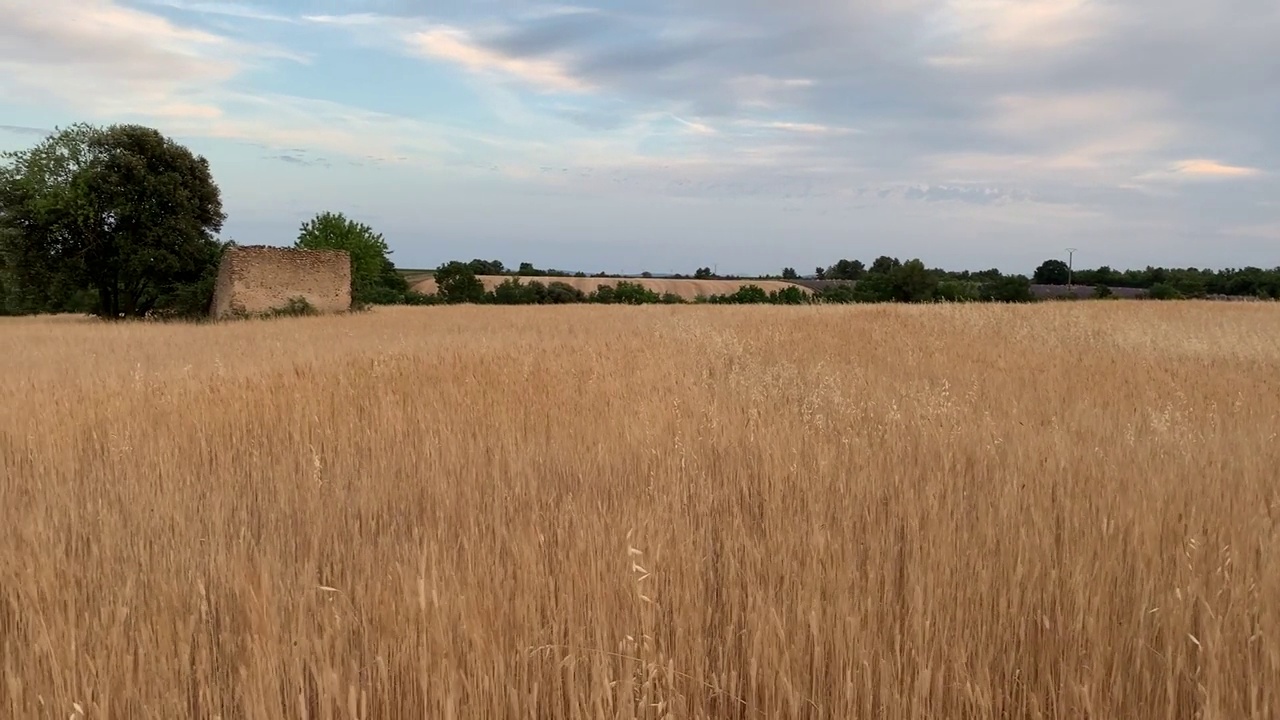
{"x": 687, "y": 289}
{"x": 1057, "y": 511}
{"x": 414, "y": 276}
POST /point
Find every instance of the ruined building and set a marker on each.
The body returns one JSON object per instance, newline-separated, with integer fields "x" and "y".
{"x": 258, "y": 279}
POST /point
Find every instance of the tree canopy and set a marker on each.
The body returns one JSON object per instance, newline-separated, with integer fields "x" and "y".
{"x": 456, "y": 282}
{"x": 1052, "y": 272}
{"x": 373, "y": 276}
{"x": 122, "y": 211}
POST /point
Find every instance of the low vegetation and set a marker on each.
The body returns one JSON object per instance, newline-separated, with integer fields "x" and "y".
{"x": 457, "y": 282}
{"x": 887, "y": 280}
{"x": 958, "y": 511}
{"x": 295, "y": 307}
{"x": 121, "y": 222}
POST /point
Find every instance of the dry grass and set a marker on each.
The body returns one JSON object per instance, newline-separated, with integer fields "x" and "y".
{"x": 1064, "y": 511}
{"x": 688, "y": 289}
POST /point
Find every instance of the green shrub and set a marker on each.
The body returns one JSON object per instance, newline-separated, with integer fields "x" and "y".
{"x": 838, "y": 294}
{"x": 630, "y": 293}
{"x": 745, "y": 295}
{"x": 789, "y": 296}
{"x": 295, "y": 307}
{"x": 875, "y": 287}
{"x": 413, "y": 297}
{"x": 1164, "y": 291}
{"x": 956, "y": 291}
{"x": 456, "y": 283}
{"x": 512, "y": 292}
{"x": 1007, "y": 289}
{"x": 562, "y": 293}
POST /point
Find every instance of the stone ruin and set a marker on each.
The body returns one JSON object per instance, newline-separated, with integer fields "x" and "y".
{"x": 257, "y": 279}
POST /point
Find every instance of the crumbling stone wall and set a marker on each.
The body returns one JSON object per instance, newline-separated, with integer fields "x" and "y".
{"x": 257, "y": 279}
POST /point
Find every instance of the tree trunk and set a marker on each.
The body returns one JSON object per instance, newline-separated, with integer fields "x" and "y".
{"x": 108, "y": 302}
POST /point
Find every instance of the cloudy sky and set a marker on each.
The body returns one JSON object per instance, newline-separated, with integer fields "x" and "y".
{"x": 658, "y": 135}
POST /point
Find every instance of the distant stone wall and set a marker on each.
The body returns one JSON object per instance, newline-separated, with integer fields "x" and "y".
{"x": 257, "y": 279}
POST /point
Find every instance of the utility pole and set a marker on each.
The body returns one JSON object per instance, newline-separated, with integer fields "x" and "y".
{"x": 1071, "y": 269}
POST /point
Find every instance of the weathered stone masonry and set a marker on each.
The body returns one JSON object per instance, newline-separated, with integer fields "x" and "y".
{"x": 256, "y": 279}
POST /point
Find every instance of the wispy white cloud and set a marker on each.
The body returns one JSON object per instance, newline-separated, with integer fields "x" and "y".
{"x": 225, "y": 9}
{"x": 352, "y": 20}
{"x": 699, "y": 128}
{"x": 285, "y": 121}
{"x": 974, "y": 32}
{"x": 452, "y": 45}
{"x": 1119, "y": 116}
{"x": 766, "y": 91}
{"x": 114, "y": 63}
{"x": 1194, "y": 169}
{"x": 459, "y": 47}
{"x": 104, "y": 58}
{"x": 553, "y": 10}
{"x": 24, "y": 130}
{"x": 805, "y": 128}
{"x": 1260, "y": 231}
{"x": 1107, "y": 133}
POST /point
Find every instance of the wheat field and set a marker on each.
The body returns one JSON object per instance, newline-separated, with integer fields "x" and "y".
{"x": 1051, "y": 511}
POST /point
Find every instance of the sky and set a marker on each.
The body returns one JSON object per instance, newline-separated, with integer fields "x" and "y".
{"x": 748, "y": 135}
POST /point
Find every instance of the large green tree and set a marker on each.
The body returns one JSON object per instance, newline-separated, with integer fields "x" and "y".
{"x": 457, "y": 283}
{"x": 373, "y": 276}
{"x": 1052, "y": 272}
{"x": 912, "y": 282}
{"x": 121, "y": 211}
{"x": 1007, "y": 289}
{"x": 845, "y": 269}
{"x": 884, "y": 265}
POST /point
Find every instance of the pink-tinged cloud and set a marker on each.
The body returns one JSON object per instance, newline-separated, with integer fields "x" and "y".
{"x": 455, "y": 46}
{"x": 1213, "y": 169}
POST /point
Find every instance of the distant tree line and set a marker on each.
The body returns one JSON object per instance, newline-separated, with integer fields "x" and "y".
{"x": 458, "y": 282}
{"x": 1160, "y": 283}
{"x": 889, "y": 279}
{"x": 1169, "y": 282}
{"x": 886, "y": 279}
{"x": 121, "y": 221}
